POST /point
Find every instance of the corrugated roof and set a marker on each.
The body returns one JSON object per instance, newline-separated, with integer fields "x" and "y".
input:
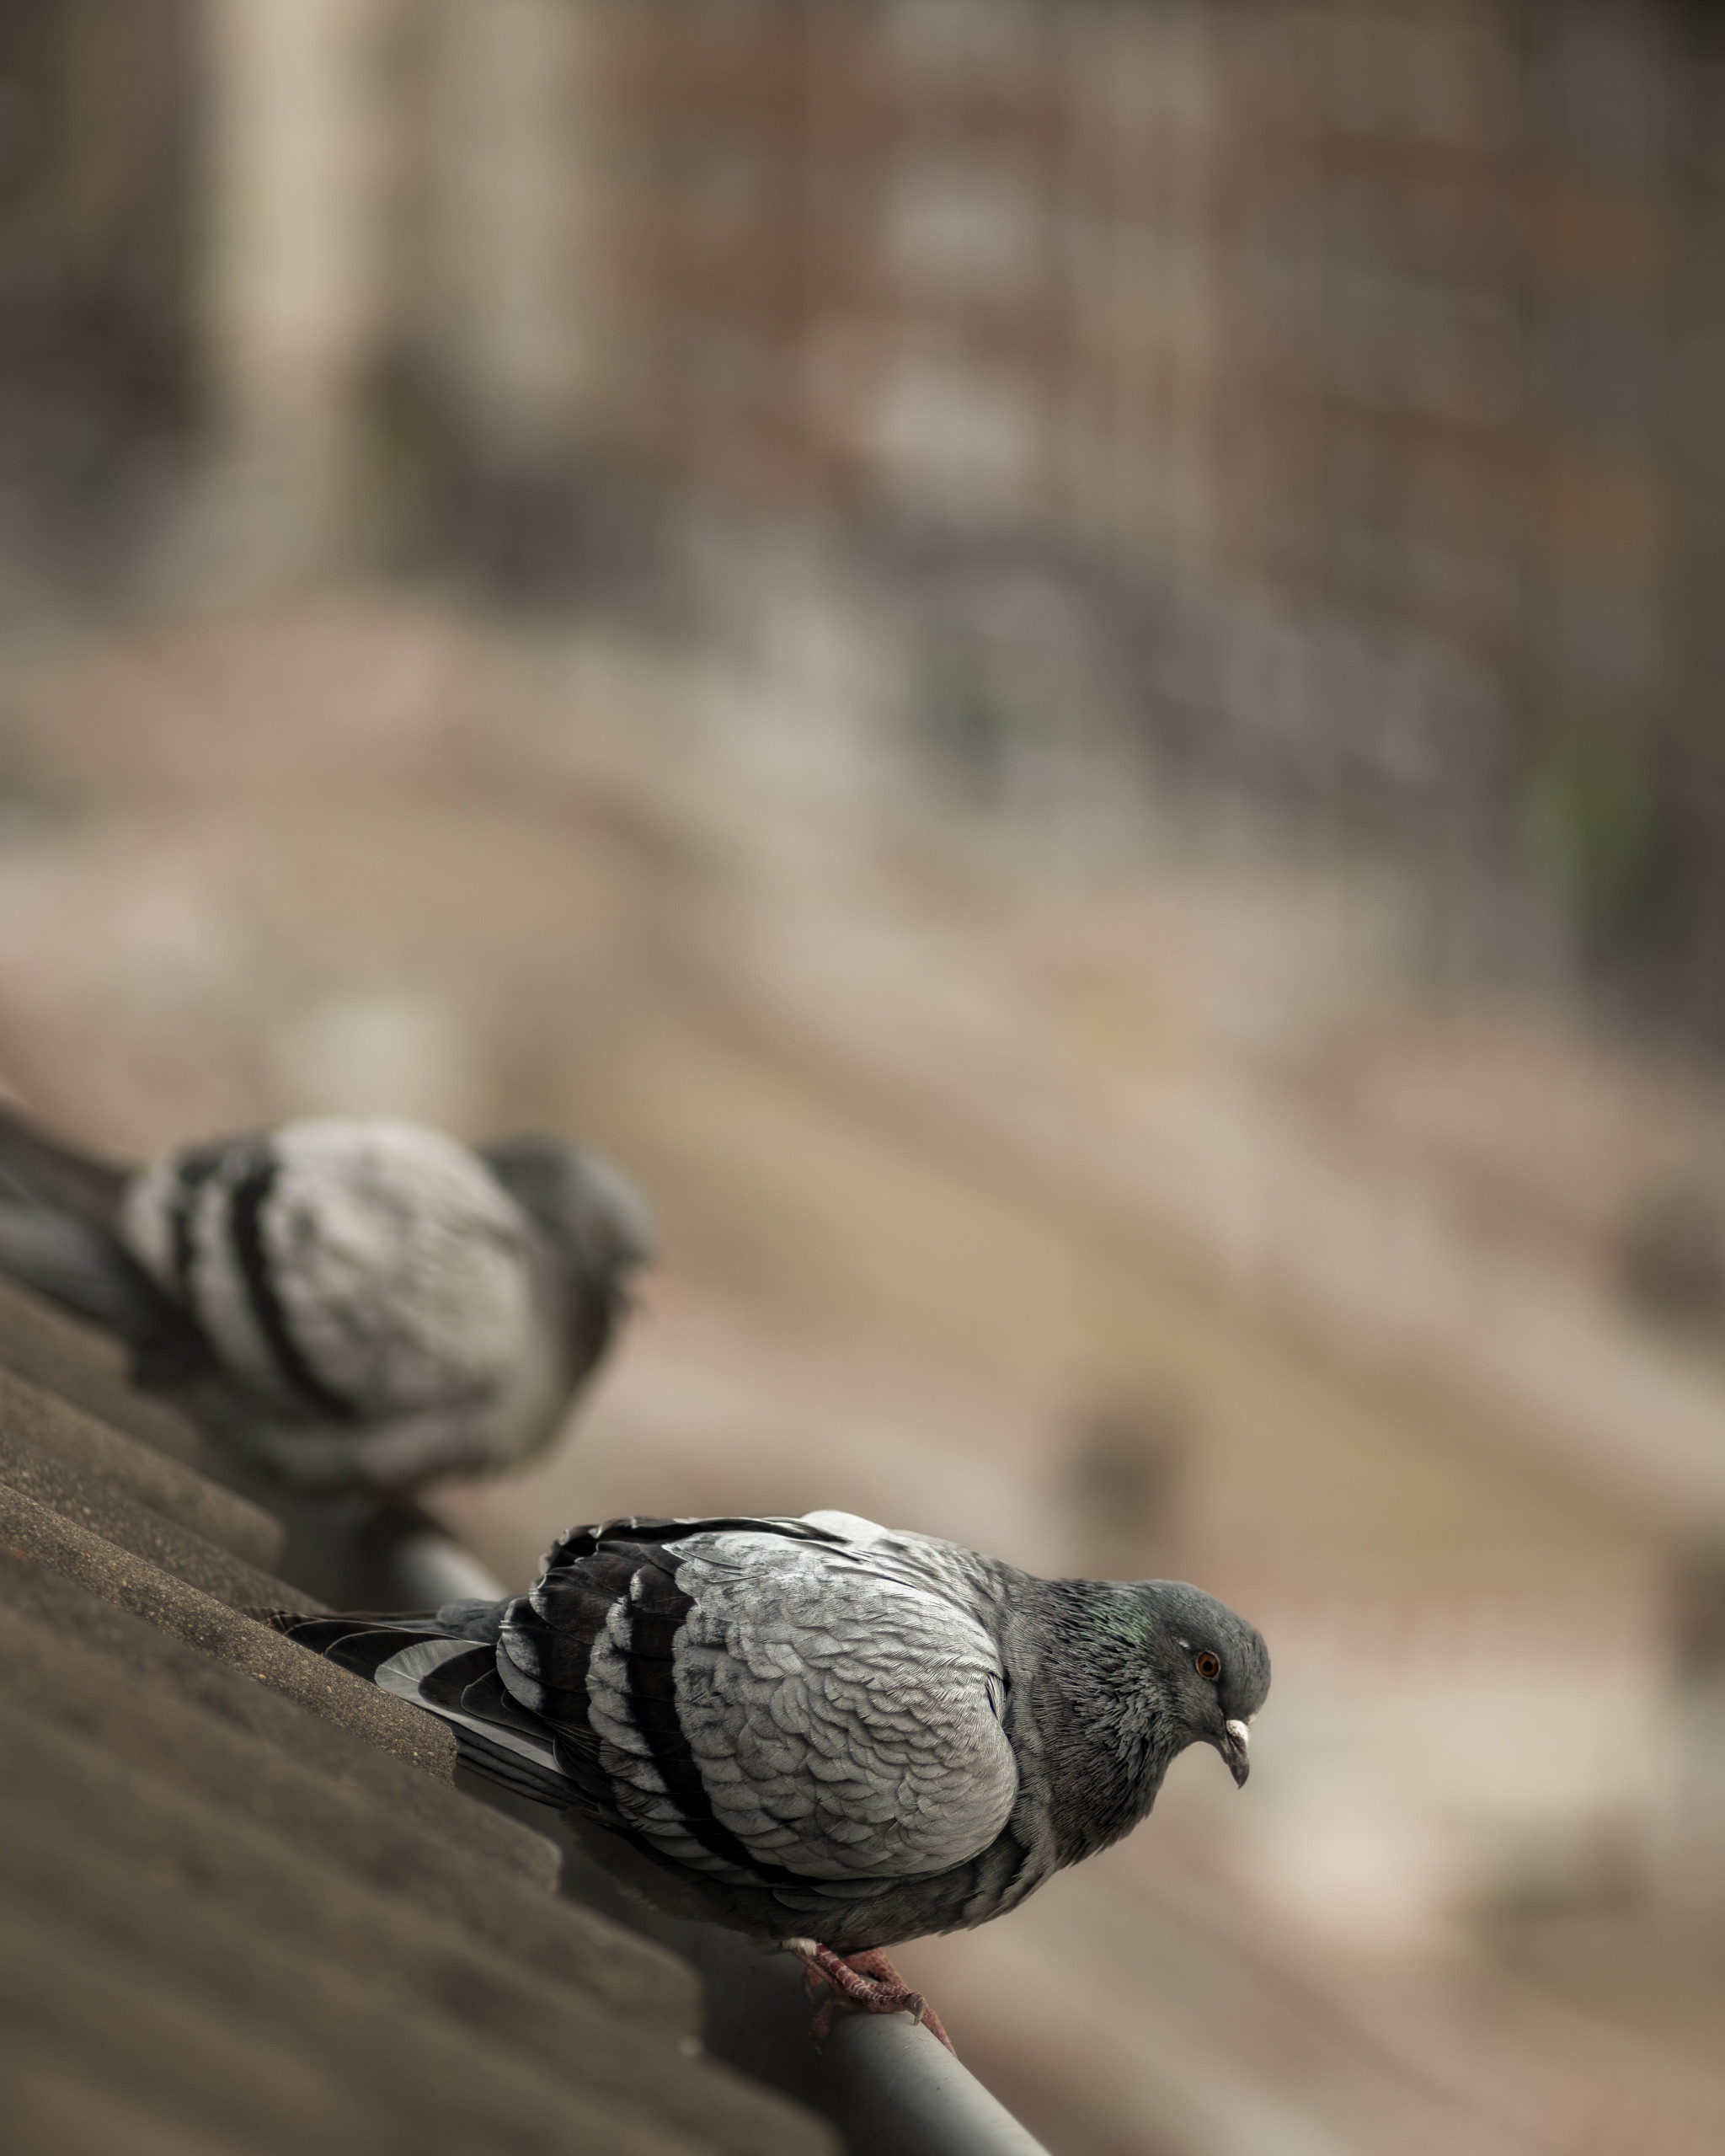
{"x": 243, "y": 1906}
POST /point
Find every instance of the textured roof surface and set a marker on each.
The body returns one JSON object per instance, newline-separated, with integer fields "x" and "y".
{"x": 242, "y": 1905}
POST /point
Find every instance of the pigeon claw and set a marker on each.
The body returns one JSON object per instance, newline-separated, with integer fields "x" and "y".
{"x": 859, "y": 1984}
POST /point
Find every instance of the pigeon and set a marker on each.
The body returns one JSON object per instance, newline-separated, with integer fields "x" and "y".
{"x": 825, "y": 1734}
{"x": 342, "y": 1306}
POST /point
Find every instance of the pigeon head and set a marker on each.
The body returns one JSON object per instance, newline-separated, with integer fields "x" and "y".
{"x": 1144, "y": 1669}
{"x": 596, "y": 1221}
{"x": 1213, "y": 1668}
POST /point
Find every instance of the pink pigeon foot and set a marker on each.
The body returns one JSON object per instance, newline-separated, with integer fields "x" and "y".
{"x": 860, "y": 1983}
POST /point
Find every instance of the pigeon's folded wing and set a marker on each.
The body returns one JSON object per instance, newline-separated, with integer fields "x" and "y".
{"x": 769, "y": 1710}
{"x": 351, "y": 1273}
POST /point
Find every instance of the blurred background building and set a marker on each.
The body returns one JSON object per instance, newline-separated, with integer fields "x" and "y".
{"x": 1055, "y": 663}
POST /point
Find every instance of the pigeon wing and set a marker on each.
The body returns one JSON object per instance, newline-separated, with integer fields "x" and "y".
{"x": 754, "y": 1700}
{"x": 352, "y": 1271}
{"x": 765, "y": 1707}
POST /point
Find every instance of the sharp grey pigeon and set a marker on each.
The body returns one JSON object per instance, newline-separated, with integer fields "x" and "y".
{"x": 832, "y": 1736}
{"x": 346, "y": 1305}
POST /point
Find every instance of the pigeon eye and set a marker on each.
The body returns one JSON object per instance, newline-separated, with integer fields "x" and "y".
{"x": 1209, "y": 1666}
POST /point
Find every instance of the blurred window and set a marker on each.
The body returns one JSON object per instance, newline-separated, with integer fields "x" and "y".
{"x": 965, "y": 44}
{"x": 1606, "y": 374}
{"x": 1614, "y": 86}
{"x": 1440, "y": 78}
{"x": 97, "y": 155}
{"x": 952, "y": 434}
{"x": 960, "y": 226}
{"x": 723, "y": 182}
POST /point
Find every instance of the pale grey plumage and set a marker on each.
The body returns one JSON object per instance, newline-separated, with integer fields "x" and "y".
{"x": 844, "y": 1721}
{"x": 344, "y": 1304}
{"x": 820, "y": 1727}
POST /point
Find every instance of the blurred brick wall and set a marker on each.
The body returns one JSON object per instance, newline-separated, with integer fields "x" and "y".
{"x": 1374, "y": 346}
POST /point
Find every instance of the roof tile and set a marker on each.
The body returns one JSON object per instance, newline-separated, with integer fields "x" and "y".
{"x": 133, "y": 1469}
{"x": 246, "y": 1913}
{"x": 86, "y": 1368}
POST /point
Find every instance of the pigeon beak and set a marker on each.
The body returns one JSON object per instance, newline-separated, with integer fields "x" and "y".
{"x": 1234, "y": 1748}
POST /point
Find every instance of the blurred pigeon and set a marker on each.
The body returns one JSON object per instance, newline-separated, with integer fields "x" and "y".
{"x": 827, "y": 1735}
{"x": 347, "y": 1306}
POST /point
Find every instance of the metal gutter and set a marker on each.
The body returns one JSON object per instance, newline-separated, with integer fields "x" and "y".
{"x": 898, "y": 2092}
{"x": 889, "y": 2086}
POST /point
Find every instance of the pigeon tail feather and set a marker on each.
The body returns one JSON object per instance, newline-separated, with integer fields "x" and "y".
{"x": 80, "y": 1265}
{"x": 39, "y": 1167}
{"x": 446, "y": 1663}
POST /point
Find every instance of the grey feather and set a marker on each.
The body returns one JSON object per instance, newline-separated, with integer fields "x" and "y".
{"x": 820, "y": 1727}
{"x": 41, "y": 1171}
{"x": 79, "y": 1264}
{"x": 341, "y": 1304}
